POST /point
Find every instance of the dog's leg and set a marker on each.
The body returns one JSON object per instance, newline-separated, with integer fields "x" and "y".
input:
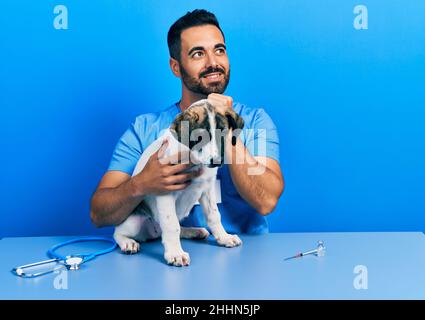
{"x": 170, "y": 226}
{"x": 194, "y": 233}
{"x": 209, "y": 206}
{"x": 125, "y": 233}
{"x": 127, "y": 245}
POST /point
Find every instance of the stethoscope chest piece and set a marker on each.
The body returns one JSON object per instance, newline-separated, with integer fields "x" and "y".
{"x": 73, "y": 263}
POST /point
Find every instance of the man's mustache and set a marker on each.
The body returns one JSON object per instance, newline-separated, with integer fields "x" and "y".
{"x": 211, "y": 70}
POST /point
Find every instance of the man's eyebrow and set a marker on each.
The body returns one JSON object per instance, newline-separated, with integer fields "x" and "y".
{"x": 218, "y": 45}
{"x": 194, "y": 49}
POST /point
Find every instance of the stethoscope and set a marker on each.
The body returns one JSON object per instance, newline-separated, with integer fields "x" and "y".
{"x": 71, "y": 262}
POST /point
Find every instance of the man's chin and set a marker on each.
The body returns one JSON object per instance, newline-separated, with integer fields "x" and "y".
{"x": 214, "y": 89}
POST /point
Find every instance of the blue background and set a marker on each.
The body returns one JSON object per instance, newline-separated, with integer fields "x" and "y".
{"x": 349, "y": 105}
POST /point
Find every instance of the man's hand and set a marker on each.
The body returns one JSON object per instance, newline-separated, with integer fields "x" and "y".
{"x": 221, "y": 102}
{"x": 164, "y": 174}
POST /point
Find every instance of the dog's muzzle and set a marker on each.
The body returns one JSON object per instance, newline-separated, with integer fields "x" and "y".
{"x": 215, "y": 163}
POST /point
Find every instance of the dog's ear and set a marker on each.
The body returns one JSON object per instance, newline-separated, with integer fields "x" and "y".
{"x": 235, "y": 120}
{"x": 236, "y": 123}
{"x": 176, "y": 126}
{"x": 183, "y": 125}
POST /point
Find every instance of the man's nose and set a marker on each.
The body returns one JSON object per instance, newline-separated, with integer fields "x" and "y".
{"x": 211, "y": 60}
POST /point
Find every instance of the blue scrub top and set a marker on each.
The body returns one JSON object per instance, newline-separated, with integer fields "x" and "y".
{"x": 259, "y": 136}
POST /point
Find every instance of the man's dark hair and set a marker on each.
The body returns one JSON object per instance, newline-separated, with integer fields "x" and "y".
{"x": 198, "y": 17}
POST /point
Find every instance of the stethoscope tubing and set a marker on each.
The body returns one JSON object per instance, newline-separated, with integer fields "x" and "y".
{"x": 87, "y": 257}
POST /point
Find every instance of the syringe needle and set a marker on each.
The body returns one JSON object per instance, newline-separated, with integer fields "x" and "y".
{"x": 298, "y": 255}
{"x": 319, "y": 251}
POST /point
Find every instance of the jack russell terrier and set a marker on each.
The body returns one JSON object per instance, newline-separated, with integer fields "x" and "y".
{"x": 161, "y": 214}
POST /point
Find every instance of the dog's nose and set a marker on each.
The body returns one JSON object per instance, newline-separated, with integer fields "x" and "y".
{"x": 215, "y": 163}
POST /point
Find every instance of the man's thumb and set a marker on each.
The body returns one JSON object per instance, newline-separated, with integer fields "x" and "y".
{"x": 162, "y": 149}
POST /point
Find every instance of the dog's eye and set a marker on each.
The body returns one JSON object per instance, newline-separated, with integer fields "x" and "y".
{"x": 200, "y": 146}
{"x": 198, "y": 139}
{"x": 196, "y": 142}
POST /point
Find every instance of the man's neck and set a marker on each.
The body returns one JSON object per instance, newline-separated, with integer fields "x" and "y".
{"x": 188, "y": 98}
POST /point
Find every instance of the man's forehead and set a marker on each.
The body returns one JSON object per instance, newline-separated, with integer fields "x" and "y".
{"x": 201, "y": 36}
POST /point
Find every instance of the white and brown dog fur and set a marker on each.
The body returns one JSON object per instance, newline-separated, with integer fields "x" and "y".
{"x": 160, "y": 215}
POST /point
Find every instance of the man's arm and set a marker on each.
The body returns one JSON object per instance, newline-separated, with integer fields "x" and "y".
{"x": 118, "y": 194}
{"x": 114, "y": 199}
{"x": 258, "y": 180}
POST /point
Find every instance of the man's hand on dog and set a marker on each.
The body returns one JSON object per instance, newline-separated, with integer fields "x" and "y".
{"x": 164, "y": 174}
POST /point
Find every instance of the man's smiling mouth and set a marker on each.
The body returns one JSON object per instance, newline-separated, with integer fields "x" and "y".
{"x": 213, "y": 76}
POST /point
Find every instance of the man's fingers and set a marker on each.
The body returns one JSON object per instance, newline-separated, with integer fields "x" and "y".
{"x": 173, "y": 169}
{"x": 177, "y": 179}
{"x": 177, "y": 158}
{"x": 219, "y": 99}
{"x": 182, "y": 178}
{"x": 175, "y": 187}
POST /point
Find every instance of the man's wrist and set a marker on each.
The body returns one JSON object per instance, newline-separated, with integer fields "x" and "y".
{"x": 136, "y": 189}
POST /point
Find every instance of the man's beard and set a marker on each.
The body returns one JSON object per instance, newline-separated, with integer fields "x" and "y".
{"x": 195, "y": 84}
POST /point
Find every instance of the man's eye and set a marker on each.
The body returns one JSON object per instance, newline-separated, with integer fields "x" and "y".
{"x": 197, "y": 54}
{"x": 220, "y": 51}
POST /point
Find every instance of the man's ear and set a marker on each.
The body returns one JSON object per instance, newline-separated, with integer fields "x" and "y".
{"x": 236, "y": 123}
{"x": 175, "y": 67}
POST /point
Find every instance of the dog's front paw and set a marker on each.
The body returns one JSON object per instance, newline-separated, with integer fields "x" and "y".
{"x": 229, "y": 241}
{"x": 177, "y": 258}
{"x": 128, "y": 246}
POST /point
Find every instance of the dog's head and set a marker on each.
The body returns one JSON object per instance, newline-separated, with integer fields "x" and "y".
{"x": 203, "y": 129}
